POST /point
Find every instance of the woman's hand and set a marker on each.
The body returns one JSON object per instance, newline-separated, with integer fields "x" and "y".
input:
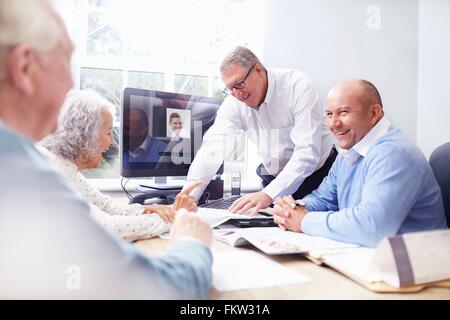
{"x": 165, "y": 212}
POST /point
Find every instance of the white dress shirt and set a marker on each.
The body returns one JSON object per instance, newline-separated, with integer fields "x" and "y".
{"x": 288, "y": 128}
{"x": 121, "y": 218}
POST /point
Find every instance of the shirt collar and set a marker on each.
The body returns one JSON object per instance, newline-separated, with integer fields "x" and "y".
{"x": 270, "y": 85}
{"x": 18, "y": 135}
{"x": 143, "y": 147}
{"x": 363, "y": 146}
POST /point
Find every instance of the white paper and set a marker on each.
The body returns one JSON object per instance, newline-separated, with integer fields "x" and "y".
{"x": 248, "y": 270}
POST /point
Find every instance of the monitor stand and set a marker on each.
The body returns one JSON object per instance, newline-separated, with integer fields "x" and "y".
{"x": 159, "y": 192}
{"x": 161, "y": 184}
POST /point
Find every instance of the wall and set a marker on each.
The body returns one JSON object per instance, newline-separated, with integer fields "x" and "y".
{"x": 332, "y": 42}
{"x": 433, "y": 114}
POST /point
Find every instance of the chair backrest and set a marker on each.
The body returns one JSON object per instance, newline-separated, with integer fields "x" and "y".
{"x": 440, "y": 163}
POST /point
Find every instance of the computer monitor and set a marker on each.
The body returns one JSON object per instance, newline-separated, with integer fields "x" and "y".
{"x": 162, "y": 131}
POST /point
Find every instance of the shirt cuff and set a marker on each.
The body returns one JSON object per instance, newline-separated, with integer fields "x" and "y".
{"x": 315, "y": 223}
{"x": 310, "y": 202}
{"x": 197, "y": 192}
{"x": 272, "y": 191}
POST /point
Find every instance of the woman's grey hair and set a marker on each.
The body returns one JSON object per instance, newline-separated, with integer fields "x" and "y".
{"x": 76, "y": 137}
{"x": 29, "y": 22}
{"x": 240, "y": 56}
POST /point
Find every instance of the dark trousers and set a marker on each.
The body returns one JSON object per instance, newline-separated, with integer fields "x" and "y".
{"x": 310, "y": 183}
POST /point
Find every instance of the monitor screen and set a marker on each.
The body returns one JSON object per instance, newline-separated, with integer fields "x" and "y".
{"x": 162, "y": 131}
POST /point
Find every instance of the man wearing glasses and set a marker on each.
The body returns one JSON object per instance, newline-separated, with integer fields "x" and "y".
{"x": 281, "y": 112}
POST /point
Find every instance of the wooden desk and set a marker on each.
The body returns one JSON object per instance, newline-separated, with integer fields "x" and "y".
{"x": 326, "y": 283}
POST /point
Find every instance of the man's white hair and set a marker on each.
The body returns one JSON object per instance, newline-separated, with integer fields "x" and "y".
{"x": 28, "y": 22}
{"x": 77, "y": 135}
{"x": 240, "y": 56}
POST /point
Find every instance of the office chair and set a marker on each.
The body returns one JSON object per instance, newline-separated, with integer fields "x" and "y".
{"x": 440, "y": 163}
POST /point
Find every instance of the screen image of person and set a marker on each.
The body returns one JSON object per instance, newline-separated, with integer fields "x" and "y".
{"x": 141, "y": 146}
{"x": 178, "y": 124}
{"x": 178, "y": 150}
{"x": 175, "y": 124}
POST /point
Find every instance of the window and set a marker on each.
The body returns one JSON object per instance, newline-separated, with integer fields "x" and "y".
{"x": 171, "y": 45}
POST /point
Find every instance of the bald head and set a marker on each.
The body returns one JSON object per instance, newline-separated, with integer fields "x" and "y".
{"x": 362, "y": 90}
{"x": 353, "y": 108}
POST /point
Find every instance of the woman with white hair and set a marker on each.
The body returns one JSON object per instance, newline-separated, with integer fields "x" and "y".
{"x": 84, "y": 133}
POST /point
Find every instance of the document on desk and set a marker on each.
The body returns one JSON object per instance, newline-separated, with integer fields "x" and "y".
{"x": 216, "y": 217}
{"x": 276, "y": 241}
{"x": 248, "y": 270}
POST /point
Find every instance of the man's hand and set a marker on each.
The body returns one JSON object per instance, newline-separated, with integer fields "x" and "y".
{"x": 184, "y": 200}
{"x": 252, "y": 203}
{"x": 288, "y": 215}
{"x": 165, "y": 212}
{"x": 188, "y": 224}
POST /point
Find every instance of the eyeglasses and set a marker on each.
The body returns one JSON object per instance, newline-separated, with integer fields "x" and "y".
{"x": 238, "y": 85}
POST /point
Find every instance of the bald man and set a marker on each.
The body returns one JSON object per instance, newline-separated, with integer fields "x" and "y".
{"x": 380, "y": 184}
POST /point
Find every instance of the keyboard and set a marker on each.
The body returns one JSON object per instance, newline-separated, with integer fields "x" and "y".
{"x": 223, "y": 203}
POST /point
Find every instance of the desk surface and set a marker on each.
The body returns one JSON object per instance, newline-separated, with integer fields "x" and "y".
{"x": 326, "y": 283}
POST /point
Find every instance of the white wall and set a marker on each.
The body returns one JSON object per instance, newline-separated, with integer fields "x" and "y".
{"x": 330, "y": 40}
{"x": 433, "y": 116}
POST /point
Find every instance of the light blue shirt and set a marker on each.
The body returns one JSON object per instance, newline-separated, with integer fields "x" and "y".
{"x": 381, "y": 187}
{"x": 50, "y": 247}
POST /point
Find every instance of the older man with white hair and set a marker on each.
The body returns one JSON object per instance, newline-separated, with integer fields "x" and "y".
{"x": 281, "y": 113}
{"x": 49, "y": 246}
